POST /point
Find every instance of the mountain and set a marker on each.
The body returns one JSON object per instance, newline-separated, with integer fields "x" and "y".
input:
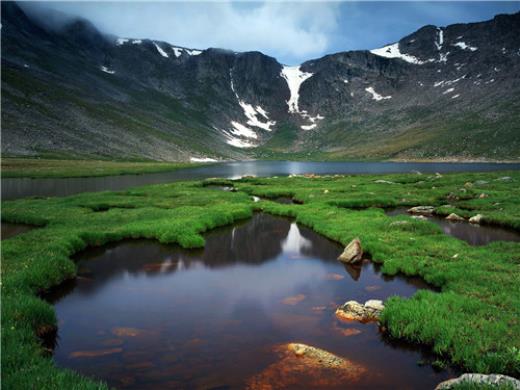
{"x": 440, "y": 92}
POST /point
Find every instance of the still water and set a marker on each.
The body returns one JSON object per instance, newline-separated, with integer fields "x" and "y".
{"x": 18, "y": 188}
{"x": 473, "y": 234}
{"x": 144, "y": 315}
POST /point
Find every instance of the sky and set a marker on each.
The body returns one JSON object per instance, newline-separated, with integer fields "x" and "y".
{"x": 292, "y": 32}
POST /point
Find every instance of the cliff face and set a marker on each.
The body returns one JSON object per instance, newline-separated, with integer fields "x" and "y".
{"x": 439, "y": 92}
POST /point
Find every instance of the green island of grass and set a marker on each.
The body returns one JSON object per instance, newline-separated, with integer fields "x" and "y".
{"x": 472, "y": 321}
{"x": 47, "y": 168}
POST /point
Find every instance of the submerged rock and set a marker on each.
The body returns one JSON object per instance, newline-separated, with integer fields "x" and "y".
{"x": 477, "y": 380}
{"x": 476, "y": 218}
{"x": 454, "y": 217}
{"x": 426, "y": 210}
{"x": 294, "y": 300}
{"x": 355, "y": 311}
{"x": 304, "y": 366}
{"x": 353, "y": 252}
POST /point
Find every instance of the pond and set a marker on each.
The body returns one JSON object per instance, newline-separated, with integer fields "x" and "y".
{"x": 10, "y": 230}
{"x": 473, "y": 234}
{"x": 144, "y": 315}
{"x": 22, "y": 187}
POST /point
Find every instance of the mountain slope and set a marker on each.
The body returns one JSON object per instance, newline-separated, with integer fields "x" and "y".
{"x": 439, "y": 92}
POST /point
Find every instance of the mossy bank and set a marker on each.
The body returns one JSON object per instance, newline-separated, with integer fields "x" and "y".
{"x": 472, "y": 321}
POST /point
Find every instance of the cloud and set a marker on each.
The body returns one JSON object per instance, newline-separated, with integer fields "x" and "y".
{"x": 292, "y": 32}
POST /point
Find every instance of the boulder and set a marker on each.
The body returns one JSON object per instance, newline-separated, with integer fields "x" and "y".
{"x": 384, "y": 182}
{"x": 476, "y": 218}
{"x": 353, "y": 252}
{"x": 480, "y": 380}
{"x": 454, "y": 217}
{"x": 483, "y": 196}
{"x": 355, "y": 311}
{"x": 423, "y": 210}
{"x": 300, "y": 363}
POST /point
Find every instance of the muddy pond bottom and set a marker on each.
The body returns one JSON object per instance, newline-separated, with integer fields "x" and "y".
{"x": 143, "y": 315}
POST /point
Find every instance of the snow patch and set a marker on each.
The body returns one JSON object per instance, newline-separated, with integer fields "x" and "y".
{"x": 251, "y": 112}
{"x": 312, "y": 119}
{"x": 121, "y": 41}
{"x": 177, "y": 51}
{"x": 202, "y": 159}
{"x": 449, "y": 90}
{"x": 106, "y": 70}
{"x": 294, "y": 77}
{"x": 161, "y": 51}
{"x": 193, "y": 52}
{"x": 464, "y": 46}
{"x": 238, "y": 143}
{"x": 445, "y": 83}
{"x": 137, "y": 42}
{"x": 443, "y": 57}
{"x": 242, "y": 131}
{"x": 440, "y": 39}
{"x": 375, "y": 95}
{"x": 392, "y": 51}
{"x": 455, "y": 96}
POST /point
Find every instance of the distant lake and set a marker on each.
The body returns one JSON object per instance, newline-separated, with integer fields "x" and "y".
{"x": 23, "y": 187}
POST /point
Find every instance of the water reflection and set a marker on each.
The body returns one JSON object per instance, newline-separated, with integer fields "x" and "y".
{"x": 145, "y": 315}
{"x": 473, "y": 234}
{"x": 10, "y": 230}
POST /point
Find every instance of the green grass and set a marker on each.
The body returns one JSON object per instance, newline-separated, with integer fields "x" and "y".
{"x": 473, "y": 320}
{"x": 41, "y": 168}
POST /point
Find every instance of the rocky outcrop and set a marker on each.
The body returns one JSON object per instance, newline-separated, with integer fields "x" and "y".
{"x": 301, "y": 363}
{"x": 481, "y": 380}
{"x": 476, "y": 218}
{"x": 454, "y": 217}
{"x": 353, "y": 252}
{"x": 422, "y": 210}
{"x": 355, "y": 311}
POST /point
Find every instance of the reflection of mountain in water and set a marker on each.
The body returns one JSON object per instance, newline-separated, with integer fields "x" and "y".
{"x": 260, "y": 239}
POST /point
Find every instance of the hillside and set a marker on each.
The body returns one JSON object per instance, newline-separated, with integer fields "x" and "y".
{"x": 441, "y": 92}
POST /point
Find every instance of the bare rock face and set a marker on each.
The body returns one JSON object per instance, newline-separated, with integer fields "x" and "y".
{"x": 476, "y": 218}
{"x": 477, "y": 380}
{"x": 355, "y": 311}
{"x": 423, "y": 210}
{"x": 304, "y": 366}
{"x": 353, "y": 252}
{"x": 454, "y": 217}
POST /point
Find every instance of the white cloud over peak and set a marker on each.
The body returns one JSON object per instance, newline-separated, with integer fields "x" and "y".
{"x": 290, "y": 31}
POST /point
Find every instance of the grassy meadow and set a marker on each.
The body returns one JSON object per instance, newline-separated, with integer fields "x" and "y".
{"x": 472, "y": 321}
{"x": 46, "y": 168}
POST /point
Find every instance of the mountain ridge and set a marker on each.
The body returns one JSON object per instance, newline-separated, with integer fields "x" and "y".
{"x": 428, "y": 96}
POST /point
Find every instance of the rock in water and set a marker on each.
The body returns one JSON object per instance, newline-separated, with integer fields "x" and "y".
{"x": 481, "y": 380}
{"x": 353, "y": 252}
{"x": 426, "y": 210}
{"x": 355, "y": 311}
{"x": 304, "y": 366}
{"x": 454, "y": 217}
{"x": 476, "y": 218}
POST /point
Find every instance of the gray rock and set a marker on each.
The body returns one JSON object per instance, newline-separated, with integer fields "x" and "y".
{"x": 454, "y": 217}
{"x": 492, "y": 380}
{"x": 355, "y": 311}
{"x": 476, "y": 218}
{"x": 353, "y": 252}
{"x": 423, "y": 210}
